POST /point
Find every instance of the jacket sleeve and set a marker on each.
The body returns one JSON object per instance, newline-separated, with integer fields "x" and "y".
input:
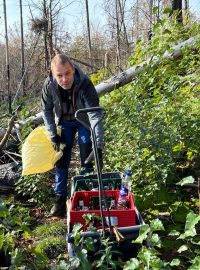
{"x": 47, "y": 109}
{"x": 91, "y": 99}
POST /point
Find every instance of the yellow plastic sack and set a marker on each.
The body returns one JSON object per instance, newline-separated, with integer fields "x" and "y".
{"x": 38, "y": 154}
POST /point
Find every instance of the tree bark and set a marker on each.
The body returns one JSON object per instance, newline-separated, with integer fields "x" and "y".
{"x": 177, "y": 6}
{"x": 121, "y": 10}
{"x": 118, "y": 55}
{"x": 22, "y": 48}
{"x": 46, "y": 54}
{"x": 186, "y": 4}
{"x": 88, "y": 30}
{"x": 7, "y": 60}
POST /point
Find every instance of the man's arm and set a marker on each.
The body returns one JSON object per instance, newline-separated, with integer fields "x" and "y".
{"x": 92, "y": 100}
{"x": 47, "y": 109}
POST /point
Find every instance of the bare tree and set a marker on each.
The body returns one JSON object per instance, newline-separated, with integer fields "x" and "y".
{"x": 22, "y": 47}
{"x": 150, "y": 19}
{"x": 122, "y": 17}
{"x": 45, "y": 34}
{"x": 177, "y": 7}
{"x": 119, "y": 32}
{"x": 7, "y": 59}
{"x": 49, "y": 12}
{"x": 143, "y": 18}
{"x": 118, "y": 57}
{"x": 186, "y": 4}
{"x": 88, "y": 30}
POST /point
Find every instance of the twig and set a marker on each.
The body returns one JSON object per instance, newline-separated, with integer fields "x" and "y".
{"x": 11, "y": 153}
{"x": 83, "y": 63}
{"x": 7, "y": 134}
{"x": 16, "y": 162}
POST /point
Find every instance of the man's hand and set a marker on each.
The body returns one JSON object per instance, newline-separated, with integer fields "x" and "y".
{"x": 56, "y": 141}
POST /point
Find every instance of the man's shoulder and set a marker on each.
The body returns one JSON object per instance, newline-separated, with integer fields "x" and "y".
{"x": 49, "y": 82}
{"x": 86, "y": 83}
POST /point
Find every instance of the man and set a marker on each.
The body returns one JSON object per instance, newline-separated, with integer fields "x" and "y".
{"x": 66, "y": 90}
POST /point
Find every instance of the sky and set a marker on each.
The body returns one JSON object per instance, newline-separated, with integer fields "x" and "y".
{"x": 72, "y": 13}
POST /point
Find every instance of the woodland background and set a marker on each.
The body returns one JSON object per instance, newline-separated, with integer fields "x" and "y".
{"x": 152, "y": 126}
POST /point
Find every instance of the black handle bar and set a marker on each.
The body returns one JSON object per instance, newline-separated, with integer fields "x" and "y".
{"x": 87, "y": 110}
{"x": 92, "y": 129}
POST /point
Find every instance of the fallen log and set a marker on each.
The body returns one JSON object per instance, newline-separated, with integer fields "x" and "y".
{"x": 128, "y": 75}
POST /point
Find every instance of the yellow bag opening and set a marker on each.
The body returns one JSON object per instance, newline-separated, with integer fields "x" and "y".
{"x": 38, "y": 154}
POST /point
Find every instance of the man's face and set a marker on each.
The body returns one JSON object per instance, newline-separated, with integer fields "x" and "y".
{"x": 64, "y": 75}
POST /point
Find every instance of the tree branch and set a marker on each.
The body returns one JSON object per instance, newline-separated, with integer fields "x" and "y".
{"x": 8, "y": 132}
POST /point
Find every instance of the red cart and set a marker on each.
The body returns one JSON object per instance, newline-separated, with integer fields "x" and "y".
{"x": 95, "y": 191}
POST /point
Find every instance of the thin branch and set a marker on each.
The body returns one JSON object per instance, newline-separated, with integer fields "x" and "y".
{"x": 7, "y": 134}
{"x": 11, "y": 157}
{"x": 12, "y": 153}
{"x": 83, "y": 63}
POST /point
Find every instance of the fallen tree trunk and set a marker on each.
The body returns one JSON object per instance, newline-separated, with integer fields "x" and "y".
{"x": 119, "y": 80}
{"x": 128, "y": 75}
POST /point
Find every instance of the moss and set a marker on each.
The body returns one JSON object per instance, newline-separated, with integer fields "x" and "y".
{"x": 55, "y": 228}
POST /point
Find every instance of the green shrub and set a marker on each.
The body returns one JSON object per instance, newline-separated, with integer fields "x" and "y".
{"x": 53, "y": 246}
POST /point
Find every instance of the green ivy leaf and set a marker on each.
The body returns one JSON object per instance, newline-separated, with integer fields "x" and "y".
{"x": 191, "y": 220}
{"x": 195, "y": 264}
{"x": 82, "y": 255}
{"x": 174, "y": 233}
{"x": 182, "y": 248}
{"x": 89, "y": 243}
{"x": 188, "y": 234}
{"x": 156, "y": 240}
{"x": 156, "y": 225}
{"x": 76, "y": 227}
{"x": 76, "y": 233}
{"x": 132, "y": 264}
{"x": 186, "y": 180}
{"x": 144, "y": 230}
{"x": 145, "y": 256}
{"x": 175, "y": 262}
{"x": 87, "y": 218}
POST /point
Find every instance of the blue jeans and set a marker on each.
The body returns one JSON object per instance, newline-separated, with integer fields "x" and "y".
{"x": 69, "y": 130}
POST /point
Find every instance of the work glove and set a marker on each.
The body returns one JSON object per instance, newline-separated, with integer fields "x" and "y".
{"x": 56, "y": 141}
{"x": 91, "y": 157}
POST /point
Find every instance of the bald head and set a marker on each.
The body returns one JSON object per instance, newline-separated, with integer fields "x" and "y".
{"x": 63, "y": 71}
{"x": 61, "y": 59}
